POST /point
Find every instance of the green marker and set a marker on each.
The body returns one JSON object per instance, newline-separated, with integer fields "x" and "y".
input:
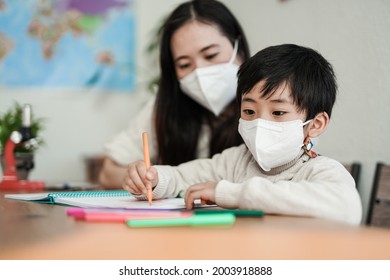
{"x": 195, "y": 220}
{"x": 236, "y": 212}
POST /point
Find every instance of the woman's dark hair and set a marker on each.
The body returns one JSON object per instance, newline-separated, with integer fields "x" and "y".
{"x": 178, "y": 119}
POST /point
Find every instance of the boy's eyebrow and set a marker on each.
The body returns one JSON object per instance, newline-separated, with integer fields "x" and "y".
{"x": 280, "y": 100}
{"x": 248, "y": 99}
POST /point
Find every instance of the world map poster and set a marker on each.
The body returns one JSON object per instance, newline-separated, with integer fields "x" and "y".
{"x": 67, "y": 44}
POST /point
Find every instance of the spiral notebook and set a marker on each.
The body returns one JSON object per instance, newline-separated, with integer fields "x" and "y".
{"x": 101, "y": 199}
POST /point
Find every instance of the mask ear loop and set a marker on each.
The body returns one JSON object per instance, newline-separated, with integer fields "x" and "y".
{"x": 235, "y": 50}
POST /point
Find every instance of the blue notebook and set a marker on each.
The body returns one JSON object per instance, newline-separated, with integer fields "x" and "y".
{"x": 100, "y": 199}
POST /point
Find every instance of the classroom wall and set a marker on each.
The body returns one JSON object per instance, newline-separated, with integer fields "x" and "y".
{"x": 352, "y": 34}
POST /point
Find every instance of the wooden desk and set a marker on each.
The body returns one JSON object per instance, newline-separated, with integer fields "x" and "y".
{"x": 30, "y": 230}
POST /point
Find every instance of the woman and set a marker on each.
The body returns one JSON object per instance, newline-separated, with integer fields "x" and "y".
{"x": 194, "y": 114}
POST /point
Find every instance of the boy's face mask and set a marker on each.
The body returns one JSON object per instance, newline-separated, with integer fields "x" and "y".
{"x": 214, "y": 86}
{"x": 272, "y": 144}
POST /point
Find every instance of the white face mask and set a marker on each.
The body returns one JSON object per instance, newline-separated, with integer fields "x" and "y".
{"x": 272, "y": 144}
{"x": 214, "y": 86}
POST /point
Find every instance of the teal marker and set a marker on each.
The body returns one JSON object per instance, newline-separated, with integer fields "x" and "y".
{"x": 195, "y": 220}
{"x": 236, "y": 212}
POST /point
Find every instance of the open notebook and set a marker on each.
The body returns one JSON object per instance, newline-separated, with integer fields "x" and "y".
{"x": 108, "y": 199}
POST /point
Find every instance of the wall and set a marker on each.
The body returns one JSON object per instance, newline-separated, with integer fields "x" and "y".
{"x": 79, "y": 122}
{"x": 352, "y": 34}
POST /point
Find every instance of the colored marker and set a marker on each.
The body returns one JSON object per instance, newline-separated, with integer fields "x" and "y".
{"x": 76, "y": 212}
{"x": 125, "y": 216}
{"x": 112, "y": 215}
{"x": 236, "y": 212}
{"x": 195, "y": 220}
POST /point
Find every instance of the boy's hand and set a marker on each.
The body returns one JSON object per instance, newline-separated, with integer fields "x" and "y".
{"x": 203, "y": 191}
{"x": 138, "y": 179}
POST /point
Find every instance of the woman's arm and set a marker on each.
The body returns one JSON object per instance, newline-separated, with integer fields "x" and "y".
{"x": 112, "y": 174}
{"x": 126, "y": 147}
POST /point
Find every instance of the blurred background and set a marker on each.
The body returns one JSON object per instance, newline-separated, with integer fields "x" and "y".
{"x": 110, "y": 80}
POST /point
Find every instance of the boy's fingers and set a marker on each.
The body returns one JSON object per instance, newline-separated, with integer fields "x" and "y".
{"x": 135, "y": 179}
{"x": 130, "y": 187}
{"x": 191, "y": 196}
{"x": 152, "y": 177}
{"x": 189, "y": 203}
{"x": 151, "y": 173}
{"x": 202, "y": 191}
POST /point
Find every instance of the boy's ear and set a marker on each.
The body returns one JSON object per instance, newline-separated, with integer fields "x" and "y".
{"x": 318, "y": 125}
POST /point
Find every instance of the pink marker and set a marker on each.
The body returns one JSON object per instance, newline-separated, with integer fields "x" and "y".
{"x": 77, "y": 213}
{"x": 118, "y": 215}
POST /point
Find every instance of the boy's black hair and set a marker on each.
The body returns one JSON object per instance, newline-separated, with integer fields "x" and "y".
{"x": 308, "y": 74}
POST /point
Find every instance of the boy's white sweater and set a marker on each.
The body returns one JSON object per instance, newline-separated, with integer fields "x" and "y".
{"x": 317, "y": 187}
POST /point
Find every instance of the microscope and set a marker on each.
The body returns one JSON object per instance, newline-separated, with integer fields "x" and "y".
{"x": 17, "y": 138}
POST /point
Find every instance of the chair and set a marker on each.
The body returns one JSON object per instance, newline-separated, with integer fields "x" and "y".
{"x": 379, "y": 205}
{"x": 354, "y": 168}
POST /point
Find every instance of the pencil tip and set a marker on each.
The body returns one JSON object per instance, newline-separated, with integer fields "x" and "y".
{"x": 150, "y": 196}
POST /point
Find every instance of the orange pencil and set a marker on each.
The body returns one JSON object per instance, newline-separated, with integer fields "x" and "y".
{"x": 147, "y": 161}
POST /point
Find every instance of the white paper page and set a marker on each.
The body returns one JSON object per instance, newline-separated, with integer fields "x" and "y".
{"x": 28, "y": 196}
{"x": 124, "y": 202}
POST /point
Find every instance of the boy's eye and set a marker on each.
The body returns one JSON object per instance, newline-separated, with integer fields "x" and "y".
{"x": 278, "y": 113}
{"x": 248, "y": 112}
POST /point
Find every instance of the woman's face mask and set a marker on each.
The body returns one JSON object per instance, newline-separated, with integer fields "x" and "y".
{"x": 214, "y": 86}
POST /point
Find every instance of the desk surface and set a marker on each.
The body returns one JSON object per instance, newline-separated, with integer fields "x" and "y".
{"x": 30, "y": 230}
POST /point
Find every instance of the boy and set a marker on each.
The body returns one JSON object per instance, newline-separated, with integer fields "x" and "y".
{"x": 286, "y": 94}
